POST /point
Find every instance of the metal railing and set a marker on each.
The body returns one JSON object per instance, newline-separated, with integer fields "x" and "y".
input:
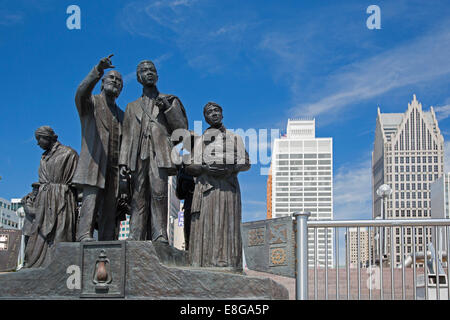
{"x": 397, "y": 269}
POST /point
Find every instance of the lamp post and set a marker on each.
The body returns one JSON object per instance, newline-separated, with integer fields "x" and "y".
{"x": 21, "y": 214}
{"x": 301, "y": 255}
{"x": 383, "y": 191}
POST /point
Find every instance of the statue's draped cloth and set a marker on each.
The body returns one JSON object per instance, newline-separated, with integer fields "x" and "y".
{"x": 215, "y": 238}
{"x": 51, "y": 216}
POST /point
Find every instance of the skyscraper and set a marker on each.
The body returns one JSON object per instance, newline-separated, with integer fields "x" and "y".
{"x": 302, "y": 172}
{"x": 408, "y": 155}
{"x": 359, "y": 251}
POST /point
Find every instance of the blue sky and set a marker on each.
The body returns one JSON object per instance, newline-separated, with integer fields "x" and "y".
{"x": 264, "y": 62}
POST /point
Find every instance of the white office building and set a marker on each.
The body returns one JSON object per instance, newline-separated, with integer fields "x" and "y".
{"x": 302, "y": 180}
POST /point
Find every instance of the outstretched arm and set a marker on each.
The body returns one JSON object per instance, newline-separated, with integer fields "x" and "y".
{"x": 84, "y": 92}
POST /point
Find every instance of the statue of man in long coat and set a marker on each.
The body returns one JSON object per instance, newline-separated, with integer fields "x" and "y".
{"x": 97, "y": 173}
{"x": 50, "y": 208}
{"x": 146, "y": 154}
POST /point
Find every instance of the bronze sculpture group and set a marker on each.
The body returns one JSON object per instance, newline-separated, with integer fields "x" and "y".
{"x": 124, "y": 164}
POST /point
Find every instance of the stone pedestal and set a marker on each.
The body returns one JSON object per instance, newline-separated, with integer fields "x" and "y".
{"x": 131, "y": 270}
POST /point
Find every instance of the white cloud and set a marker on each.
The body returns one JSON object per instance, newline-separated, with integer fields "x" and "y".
{"x": 256, "y": 202}
{"x": 415, "y": 62}
{"x": 365, "y": 70}
{"x": 353, "y": 191}
{"x": 442, "y": 112}
{"x": 128, "y": 77}
{"x": 206, "y": 46}
{"x": 253, "y": 215}
{"x": 8, "y": 18}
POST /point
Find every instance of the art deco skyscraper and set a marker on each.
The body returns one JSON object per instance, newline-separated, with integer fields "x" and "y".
{"x": 408, "y": 155}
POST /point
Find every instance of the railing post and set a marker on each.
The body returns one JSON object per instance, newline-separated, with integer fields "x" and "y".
{"x": 301, "y": 255}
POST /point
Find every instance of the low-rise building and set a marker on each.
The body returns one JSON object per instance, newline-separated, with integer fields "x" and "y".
{"x": 9, "y": 215}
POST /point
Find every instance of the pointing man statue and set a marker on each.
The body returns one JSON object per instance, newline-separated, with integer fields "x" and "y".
{"x": 97, "y": 173}
{"x": 146, "y": 153}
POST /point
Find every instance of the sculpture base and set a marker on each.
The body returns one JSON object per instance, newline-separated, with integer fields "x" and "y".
{"x": 137, "y": 270}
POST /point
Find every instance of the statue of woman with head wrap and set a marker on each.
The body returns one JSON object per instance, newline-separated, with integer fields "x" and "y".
{"x": 217, "y": 158}
{"x": 50, "y": 208}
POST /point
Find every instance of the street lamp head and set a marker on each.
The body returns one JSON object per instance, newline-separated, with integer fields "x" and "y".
{"x": 21, "y": 212}
{"x": 384, "y": 191}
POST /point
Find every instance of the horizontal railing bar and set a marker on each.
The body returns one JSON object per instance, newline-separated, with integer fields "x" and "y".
{"x": 377, "y": 223}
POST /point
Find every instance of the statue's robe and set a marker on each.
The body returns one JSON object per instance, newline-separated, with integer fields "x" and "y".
{"x": 215, "y": 238}
{"x": 51, "y": 216}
